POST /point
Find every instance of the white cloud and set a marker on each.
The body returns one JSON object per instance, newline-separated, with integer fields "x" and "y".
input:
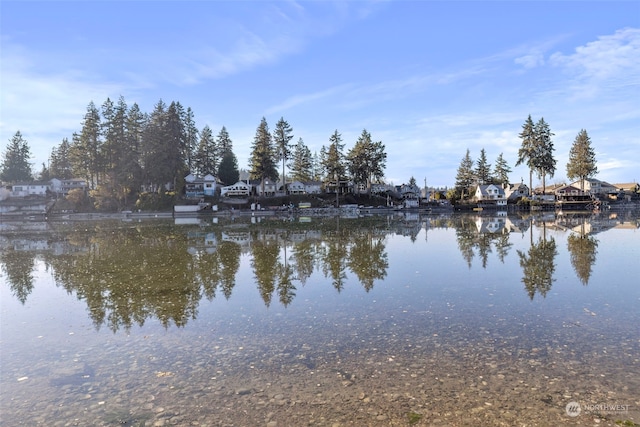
{"x": 611, "y": 62}
{"x": 531, "y": 60}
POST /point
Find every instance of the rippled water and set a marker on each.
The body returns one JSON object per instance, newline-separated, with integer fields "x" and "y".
{"x": 400, "y": 320}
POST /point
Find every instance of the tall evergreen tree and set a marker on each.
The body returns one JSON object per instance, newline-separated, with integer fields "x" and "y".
{"x": 114, "y": 150}
{"x": 86, "y": 148}
{"x": 333, "y": 160}
{"x": 228, "y": 169}
{"x": 316, "y": 167}
{"x": 262, "y": 164}
{"x": 465, "y": 176}
{"x": 483, "y": 169}
{"x": 582, "y": 159}
{"x": 527, "y": 151}
{"x": 302, "y": 162}
{"x": 366, "y": 160}
{"x": 223, "y": 141}
{"x": 60, "y": 161}
{"x": 501, "y": 170}
{"x": 131, "y": 158}
{"x": 282, "y": 136}
{"x": 206, "y": 158}
{"x": 15, "y": 164}
{"x": 191, "y": 139}
{"x": 545, "y": 163}
{"x": 153, "y": 156}
{"x": 176, "y": 144}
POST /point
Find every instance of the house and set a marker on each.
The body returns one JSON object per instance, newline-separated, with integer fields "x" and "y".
{"x": 491, "y": 194}
{"x": 266, "y": 187}
{"x": 491, "y": 225}
{"x": 568, "y": 191}
{"x": 596, "y": 187}
{"x": 63, "y": 186}
{"x": 379, "y": 188}
{"x": 196, "y": 186}
{"x": 239, "y": 189}
{"x": 628, "y": 191}
{"x": 514, "y": 192}
{"x": 312, "y": 187}
{"x": 296, "y": 187}
{"x": 35, "y": 188}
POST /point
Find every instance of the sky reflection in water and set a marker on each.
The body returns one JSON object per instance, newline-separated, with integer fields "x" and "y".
{"x": 88, "y": 300}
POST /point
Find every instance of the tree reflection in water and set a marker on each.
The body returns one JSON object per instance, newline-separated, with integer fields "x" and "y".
{"x": 583, "y": 250}
{"x": 18, "y": 266}
{"x": 128, "y": 274}
{"x": 538, "y": 266}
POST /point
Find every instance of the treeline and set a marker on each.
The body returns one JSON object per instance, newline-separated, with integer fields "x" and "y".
{"x": 536, "y": 152}
{"x": 121, "y": 151}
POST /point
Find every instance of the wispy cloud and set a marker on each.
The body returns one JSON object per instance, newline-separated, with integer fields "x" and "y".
{"x": 611, "y": 61}
{"x": 301, "y": 99}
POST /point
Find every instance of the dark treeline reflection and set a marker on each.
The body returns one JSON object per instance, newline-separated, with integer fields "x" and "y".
{"x": 130, "y": 272}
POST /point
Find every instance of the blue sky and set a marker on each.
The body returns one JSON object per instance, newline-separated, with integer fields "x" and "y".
{"x": 427, "y": 78}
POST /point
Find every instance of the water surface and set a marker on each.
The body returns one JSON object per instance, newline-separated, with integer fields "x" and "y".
{"x": 399, "y": 320}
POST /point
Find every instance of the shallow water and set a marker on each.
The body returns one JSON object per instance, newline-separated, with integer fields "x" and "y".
{"x": 399, "y": 320}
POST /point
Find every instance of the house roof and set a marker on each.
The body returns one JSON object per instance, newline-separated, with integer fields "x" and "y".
{"x": 566, "y": 188}
{"x": 483, "y": 188}
{"x": 630, "y": 186}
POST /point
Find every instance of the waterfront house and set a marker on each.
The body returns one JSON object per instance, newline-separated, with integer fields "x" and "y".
{"x": 596, "y": 187}
{"x": 196, "y": 186}
{"x": 312, "y": 187}
{"x": 239, "y": 189}
{"x": 513, "y": 192}
{"x": 63, "y": 186}
{"x": 490, "y": 194}
{"x": 34, "y": 188}
{"x": 266, "y": 187}
{"x": 295, "y": 187}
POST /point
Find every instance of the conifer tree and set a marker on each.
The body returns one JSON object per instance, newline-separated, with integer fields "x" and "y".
{"x": 465, "y": 176}
{"x": 223, "y": 142}
{"x": 366, "y": 160}
{"x": 206, "y": 158}
{"x": 302, "y": 162}
{"x": 545, "y": 163}
{"x": 15, "y": 165}
{"x": 501, "y": 170}
{"x": 582, "y": 159}
{"x": 483, "y": 169}
{"x": 228, "y": 169}
{"x": 60, "y": 162}
{"x": 86, "y": 148}
{"x": 262, "y": 164}
{"x": 282, "y": 136}
{"x": 527, "y": 151}
{"x": 333, "y": 160}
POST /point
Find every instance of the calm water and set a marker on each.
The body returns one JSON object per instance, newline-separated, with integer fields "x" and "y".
{"x": 400, "y": 320}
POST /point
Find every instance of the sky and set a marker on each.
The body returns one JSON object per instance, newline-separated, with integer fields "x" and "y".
{"x": 430, "y": 79}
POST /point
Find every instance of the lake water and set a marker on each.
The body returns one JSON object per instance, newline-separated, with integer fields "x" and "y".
{"x": 379, "y": 321}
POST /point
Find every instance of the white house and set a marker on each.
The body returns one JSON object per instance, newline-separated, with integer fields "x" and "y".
{"x": 266, "y": 187}
{"x": 312, "y": 187}
{"x": 491, "y": 194}
{"x": 63, "y": 186}
{"x": 24, "y": 189}
{"x": 295, "y": 187}
{"x": 239, "y": 189}
{"x": 196, "y": 186}
{"x": 596, "y": 187}
{"x": 515, "y": 191}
